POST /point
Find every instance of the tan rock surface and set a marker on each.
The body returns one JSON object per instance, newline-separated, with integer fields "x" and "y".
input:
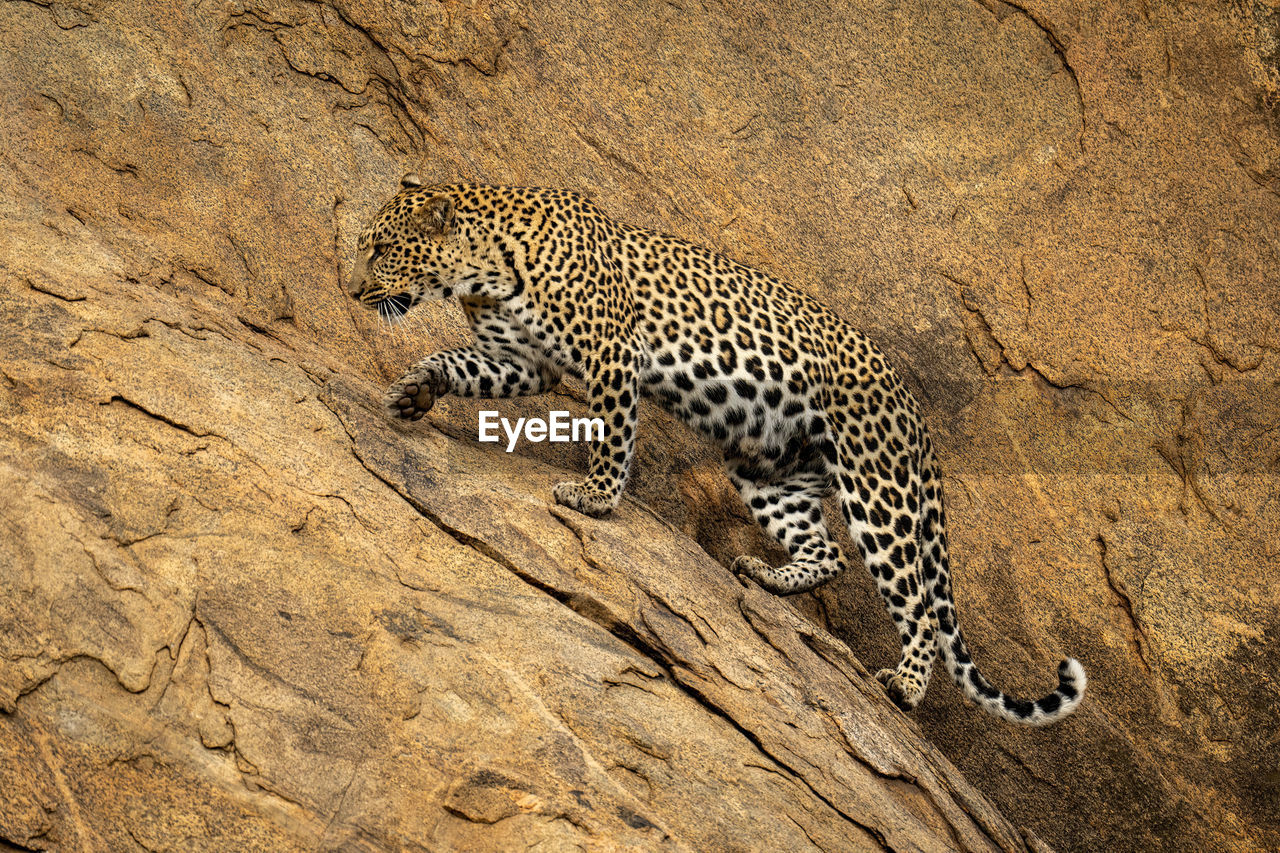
{"x": 242, "y": 610}
{"x": 220, "y": 590}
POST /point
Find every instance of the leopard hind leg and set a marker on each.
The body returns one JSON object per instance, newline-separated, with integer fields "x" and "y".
{"x": 789, "y": 508}
{"x": 879, "y": 501}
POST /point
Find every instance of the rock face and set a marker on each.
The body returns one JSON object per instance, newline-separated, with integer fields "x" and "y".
{"x": 239, "y": 610}
{"x": 236, "y": 593}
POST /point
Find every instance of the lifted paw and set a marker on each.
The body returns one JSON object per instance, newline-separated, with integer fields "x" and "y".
{"x": 413, "y": 395}
{"x": 588, "y": 501}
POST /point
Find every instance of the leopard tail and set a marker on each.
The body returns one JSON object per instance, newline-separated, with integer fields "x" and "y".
{"x": 951, "y": 644}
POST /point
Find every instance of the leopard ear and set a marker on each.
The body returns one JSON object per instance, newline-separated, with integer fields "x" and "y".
{"x": 411, "y": 180}
{"x": 435, "y": 215}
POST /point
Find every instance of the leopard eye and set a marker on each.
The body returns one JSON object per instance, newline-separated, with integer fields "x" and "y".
{"x": 379, "y": 249}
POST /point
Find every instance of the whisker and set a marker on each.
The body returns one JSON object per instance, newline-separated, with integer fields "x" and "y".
{"x": 396, "y": 317}
{"x": 416, "y": 322}
{"x": 392, "y": 311}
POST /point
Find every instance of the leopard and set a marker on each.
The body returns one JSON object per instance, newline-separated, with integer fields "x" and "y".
{"x": 802, "y": 405}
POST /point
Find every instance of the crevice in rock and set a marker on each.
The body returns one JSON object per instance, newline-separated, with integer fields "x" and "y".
{"x": 266, "y": 674}
{"x": 1047, "y": 781}
{"x": 101, "y": 572}
{"x": 132, "y": 335}
{"x": 141, "y": 842}
{"x": 178, "y": 425}
{"x": 1183, "y": 453}
{"x": 610, "y": 156}
{"x": 120, "y": 168}
{"x": 265, "y": 332}
{"x": 714, "y": 709}
{"x": 396, "y": 98}
{"x": 1223, "y": 358}
{"x": 57, "y": 664}
{"x": 988, "y": 335}
{"x": 1137, "y": 634}
{"x": 929, "y": 791}
{"x": 1004, "y": 365}
{"x": 801, "y": 827}
{"x": 475, "y": 544}
{"x": 994, "y": 7}
{"x": 174, "y": 652}
{"x": 50, "y": 290}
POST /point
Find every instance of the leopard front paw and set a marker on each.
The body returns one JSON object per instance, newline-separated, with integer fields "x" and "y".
{"x": 586, "y": 500}
{"x": 411, "y": 396}
{"x": 904, "y": 691}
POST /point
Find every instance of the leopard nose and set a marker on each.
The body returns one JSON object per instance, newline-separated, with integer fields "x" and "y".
{"x": 355, "y": 286}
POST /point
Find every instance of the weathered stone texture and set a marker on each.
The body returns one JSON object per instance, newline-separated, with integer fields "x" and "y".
{"x": 240, "y": 611}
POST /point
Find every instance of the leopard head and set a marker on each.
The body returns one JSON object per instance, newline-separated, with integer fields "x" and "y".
{"x": 418, "y": 248}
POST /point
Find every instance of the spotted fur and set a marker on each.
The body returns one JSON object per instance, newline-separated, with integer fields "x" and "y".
{"x": 801, "y": 403}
